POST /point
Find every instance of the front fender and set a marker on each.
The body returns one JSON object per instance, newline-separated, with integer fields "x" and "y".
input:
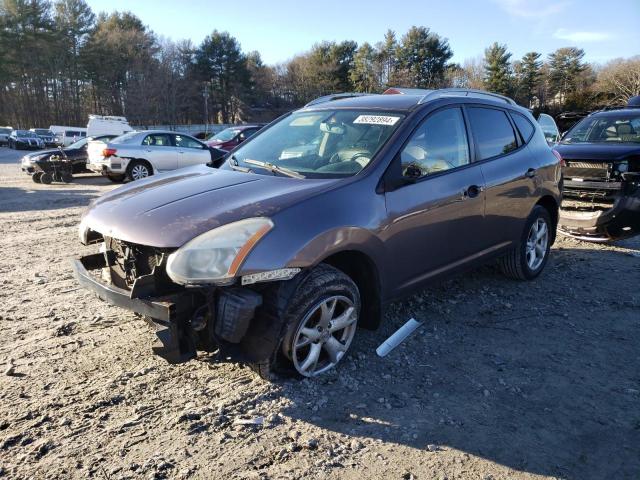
{"x": 269, "y": 256}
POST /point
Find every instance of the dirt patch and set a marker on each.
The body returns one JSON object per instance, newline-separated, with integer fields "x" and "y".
{"x": 503, "y": 380}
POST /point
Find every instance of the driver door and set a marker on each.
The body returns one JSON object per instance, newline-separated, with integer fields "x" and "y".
{"x": 190, "y": 152}
{"x": 436, "y": 215}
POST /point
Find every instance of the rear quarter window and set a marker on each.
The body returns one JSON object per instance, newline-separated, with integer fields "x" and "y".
{"x": 492, "y": 132}
{"x": 523, "y": 124}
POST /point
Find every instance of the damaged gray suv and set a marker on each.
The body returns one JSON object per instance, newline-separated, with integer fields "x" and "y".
{"x": 307, "y": 229}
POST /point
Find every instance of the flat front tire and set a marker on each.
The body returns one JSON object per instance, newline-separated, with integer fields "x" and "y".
{"x": 320, "y": 318}
{"x": 526, "y": 260}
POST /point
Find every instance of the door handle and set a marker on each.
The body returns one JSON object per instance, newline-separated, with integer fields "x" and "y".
{"x": 531, "y": 173}
{"x": 148, "y": 150}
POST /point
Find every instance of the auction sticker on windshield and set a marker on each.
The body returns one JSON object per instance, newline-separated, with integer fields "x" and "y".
{"x": 376, "y": 119}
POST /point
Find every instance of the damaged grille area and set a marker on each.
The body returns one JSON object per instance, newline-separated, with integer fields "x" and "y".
{"x": 587, "y": 170}
{"x": 131, "y": 261}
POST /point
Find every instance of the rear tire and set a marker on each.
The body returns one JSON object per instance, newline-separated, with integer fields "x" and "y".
{"x": 276, "y": 334}
{"x": 526, "y": 260}
{"x": 116, "y": 178}
{"x": 139, "y": 169}
{"x": 67, "y": 178}
{"x": 46, "y": 178}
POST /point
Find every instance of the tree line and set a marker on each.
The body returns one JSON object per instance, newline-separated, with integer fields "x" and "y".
{"x": 59, "y": 62}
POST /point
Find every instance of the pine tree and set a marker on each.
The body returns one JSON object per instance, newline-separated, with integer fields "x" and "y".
{"x": 529, "y": 76}
{"x": 497, "y": 69}
{"x": 423, "y": 57}
{"x": 565, "y": 68}
{"x": 387, "y": 58}
{"x": 363, "y": 73}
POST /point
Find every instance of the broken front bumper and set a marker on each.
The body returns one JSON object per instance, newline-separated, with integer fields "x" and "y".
{"x": 184, "y": 321}
{"x": 168, "y": 314}
{"x": 621, "y": 220}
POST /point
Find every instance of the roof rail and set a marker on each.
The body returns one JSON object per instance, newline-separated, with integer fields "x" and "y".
{"x": 464, "y": 92}
{"x": 336, "y": 96}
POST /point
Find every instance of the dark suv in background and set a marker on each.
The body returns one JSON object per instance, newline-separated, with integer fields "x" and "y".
{"x": 602, "y": 175}
{"x": 275, "y": 260}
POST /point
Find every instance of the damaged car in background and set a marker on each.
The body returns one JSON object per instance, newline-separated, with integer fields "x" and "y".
{"x": 275, "y": 260}
{"x": 601, "y": 170}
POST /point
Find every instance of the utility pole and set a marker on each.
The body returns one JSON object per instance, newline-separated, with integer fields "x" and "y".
{"x": 205, "y": 95}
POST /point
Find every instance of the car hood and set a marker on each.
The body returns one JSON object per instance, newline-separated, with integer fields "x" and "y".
{"x": 597, "y": 151}
{"x": 42, "y": 152}
{"x": 217, "y": 143}
{"x": 168, "y": 210}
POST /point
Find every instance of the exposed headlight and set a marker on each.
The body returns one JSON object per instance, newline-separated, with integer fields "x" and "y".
{"x": 216, "y": 256}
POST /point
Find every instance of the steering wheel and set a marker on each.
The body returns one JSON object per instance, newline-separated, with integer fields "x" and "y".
{"x": 335, "y": 158}
{"x": 358, "y": 155}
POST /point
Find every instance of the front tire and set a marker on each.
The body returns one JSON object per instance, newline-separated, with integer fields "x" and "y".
{"x": 46, "y": 178}
{"x": 36, "y": 177}
{"x": 527, "y": 259}
{"x": 138, "y": 170}
{"x": 320, "y": 311}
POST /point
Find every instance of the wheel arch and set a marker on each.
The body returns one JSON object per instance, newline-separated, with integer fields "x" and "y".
{"x": 363, "y": 271}
{"x": 133, "y": 160}
{"x": 551, "y": 205}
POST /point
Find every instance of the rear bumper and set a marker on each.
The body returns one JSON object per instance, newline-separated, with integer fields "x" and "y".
{"x": 117, "y": 166}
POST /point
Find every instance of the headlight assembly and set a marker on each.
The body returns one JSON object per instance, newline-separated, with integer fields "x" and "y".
{"x": 216, "y": 256}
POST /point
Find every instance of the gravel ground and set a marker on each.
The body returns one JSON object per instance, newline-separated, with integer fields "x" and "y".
{"x": 504, "y": 379}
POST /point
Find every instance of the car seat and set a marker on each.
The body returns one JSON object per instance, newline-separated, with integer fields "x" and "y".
{"x": 626, "y": 133}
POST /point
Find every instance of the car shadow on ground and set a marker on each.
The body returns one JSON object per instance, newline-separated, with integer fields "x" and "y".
{"x": 92, "y": 179}
{"x": 534, "y": 376}
{"x": 57, "y": 196}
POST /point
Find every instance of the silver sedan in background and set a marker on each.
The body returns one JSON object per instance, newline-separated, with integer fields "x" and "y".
{"x": 137, "y": 155}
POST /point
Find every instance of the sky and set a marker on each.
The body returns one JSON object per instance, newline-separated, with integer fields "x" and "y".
{"x": 280, "y": 29}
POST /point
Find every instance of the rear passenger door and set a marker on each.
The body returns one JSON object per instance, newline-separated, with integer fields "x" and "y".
{"x": 190, "y": 151}
{"x": 508, "y": 169}
{"x": 159, "y": 150}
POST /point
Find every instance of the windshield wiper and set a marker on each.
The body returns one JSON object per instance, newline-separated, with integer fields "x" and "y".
{"x": 274, "y": 168}
{"x": 233, "y": 163}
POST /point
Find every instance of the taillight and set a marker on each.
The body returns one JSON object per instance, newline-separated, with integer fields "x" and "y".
{"x": 108, "y": 152}
{"x": 559, "y": 157}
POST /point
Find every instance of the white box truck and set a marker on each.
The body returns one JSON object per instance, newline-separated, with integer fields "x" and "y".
{"x": 107, "y": 125}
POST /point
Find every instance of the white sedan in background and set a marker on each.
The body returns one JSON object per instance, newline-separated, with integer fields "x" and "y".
{"x": 137, "y": 155}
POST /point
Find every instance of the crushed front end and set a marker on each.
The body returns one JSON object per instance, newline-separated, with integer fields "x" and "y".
{"x": 185, "y": 319}
{"x": 601, "y": 199}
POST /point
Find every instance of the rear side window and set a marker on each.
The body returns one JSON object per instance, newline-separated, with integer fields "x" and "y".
{"x": 492, "y": 132}
{"x": 524, "y": 126}
{"x": 157, "y": 140}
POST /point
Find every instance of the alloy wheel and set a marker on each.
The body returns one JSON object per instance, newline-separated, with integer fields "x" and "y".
{"x": 139, "y": 171}
{"x": 537, "y": 243}
{"x": 324, "y": 335}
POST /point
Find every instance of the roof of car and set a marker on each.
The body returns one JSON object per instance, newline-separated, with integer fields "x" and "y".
{"x": 245, "y": 127}
{"x": 404, "y": 99}
{"x": 617, "y": 112}
{"x": 383, "y": 102}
